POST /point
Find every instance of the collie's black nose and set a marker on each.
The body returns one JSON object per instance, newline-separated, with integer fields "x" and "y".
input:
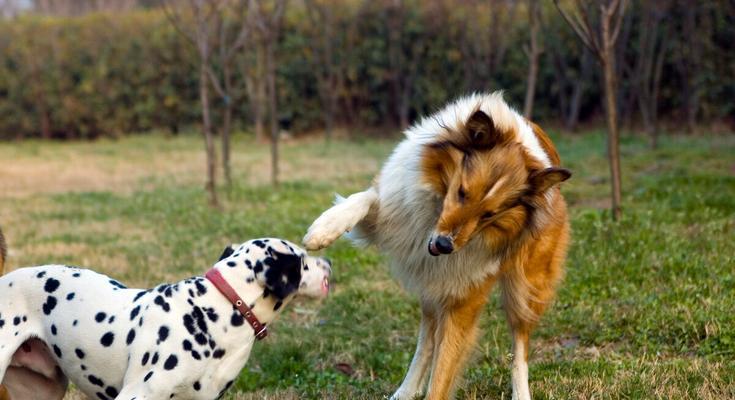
{"x": 441, "y": 245}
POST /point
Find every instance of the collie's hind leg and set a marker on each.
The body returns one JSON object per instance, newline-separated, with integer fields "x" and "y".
{"x": 523, "y": 308}
{"x": 455, "y": 336}
{"x": 415, "y": 381}
{"x": 341, "y": 218}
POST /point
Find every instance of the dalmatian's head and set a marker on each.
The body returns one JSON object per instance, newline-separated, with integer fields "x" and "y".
{"x": 282, "y": 268}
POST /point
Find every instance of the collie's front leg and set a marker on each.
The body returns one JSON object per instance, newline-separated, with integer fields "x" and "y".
{"x": 415, "y": 381}
{"x": 341, "y": 218}
{"x": 455, "y": 336}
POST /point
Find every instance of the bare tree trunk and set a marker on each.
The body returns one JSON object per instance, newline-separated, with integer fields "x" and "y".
{"x": 533, "y": 53}
{"x": 259, "y": 102}
{"x": 210, "y": 184}
{"x": 601, "y": 42}
{"x": 575, "y": 104}
{"x": 273, "y": 110}
{"x": 227, "y": 124}
{"x": 613, "y": 140}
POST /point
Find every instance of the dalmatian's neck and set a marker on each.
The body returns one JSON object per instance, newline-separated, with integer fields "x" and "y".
{"x": 264, "y": 304}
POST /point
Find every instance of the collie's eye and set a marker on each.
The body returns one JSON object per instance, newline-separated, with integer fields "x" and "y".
{"x": 487, "y": 215}
{"x": 461, "y": 195}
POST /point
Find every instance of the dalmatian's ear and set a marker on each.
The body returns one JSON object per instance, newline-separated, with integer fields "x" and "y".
{"x": 227, "y": 252}
{"x": 282, "y": 273}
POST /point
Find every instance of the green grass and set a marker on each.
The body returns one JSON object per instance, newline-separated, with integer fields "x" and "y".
{"x": 645, "y": 311}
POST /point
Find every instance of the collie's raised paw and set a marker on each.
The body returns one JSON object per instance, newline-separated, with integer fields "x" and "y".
{"x": 327, "y": 228}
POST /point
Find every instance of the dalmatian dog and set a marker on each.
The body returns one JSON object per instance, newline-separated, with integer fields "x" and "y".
{"x": 187, "y": 340}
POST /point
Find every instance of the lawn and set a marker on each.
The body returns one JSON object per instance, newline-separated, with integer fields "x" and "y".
{"x": 647, "y": 308}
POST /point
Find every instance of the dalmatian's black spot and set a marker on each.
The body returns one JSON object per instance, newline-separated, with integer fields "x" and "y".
{"x": 100, "y": 316}
{"x": 51, "y": 285}
{"x": 189, "y": 323}
{"x": 195, "y": 355}
{"x": 219, "y": 353}
{"x": 248, "y": 264}
{"x": 83, "y": 367}
{"x": 57, "y": 351}
{"x": 79, "y": 353}
{"x": 154, "y": 360}
{"x": 237, "y": 319}
{"x": 117, "y": 284}
{"x": 258, "y": 268}
{"x": 16, "y": 321}
{"x": 70, "y": 296}
{"x": 201, "y": 289}
{"x": 278, "y": 305}
{"x": 25, "y": 318}
{"x": 76, "y": 274}
{"x": 226, "y": 253}
{"x": 139, "y": 295}
{"x": 144, "y": 361}
{"x": 162, "y": 334}
{"x": 41, "y": 274}
{"x": 231, "y": 264}
{"x": 200, "y": 339}
{"x": 75, "y": 323}
{"x": 134, "y": 312}
{"x": 53, "y": 329}
{"x": 131, "y": 337}
{"x": 171, "y": 362}
{"x": 96, "y": 381}
{"x": 162, "y": 303}
{"x": 259, "y": 243}
{"x": 250, "y": 279}
{"x": 49, "y": 305}
{"x": 107, "y": 339}
{"x": 212, "y": 315}
{"x": 101, "y": 396}
{"x": 111, "y": 320}
{"x": 148, "y": 376}
{"x": 197, "y": 386}
{"x": 186, "y": 344}
{"x": 111, "y": 391}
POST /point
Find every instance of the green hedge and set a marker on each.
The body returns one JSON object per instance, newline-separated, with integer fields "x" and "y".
{"x": 108, "y": 75}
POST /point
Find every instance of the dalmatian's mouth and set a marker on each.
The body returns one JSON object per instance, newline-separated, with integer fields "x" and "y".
{"x": 325, "y": 286}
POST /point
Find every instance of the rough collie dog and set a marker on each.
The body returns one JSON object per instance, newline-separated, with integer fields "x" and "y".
{"x": 468, "y": 199}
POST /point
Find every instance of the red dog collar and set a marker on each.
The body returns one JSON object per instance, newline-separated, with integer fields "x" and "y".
{"x": 221, "y": 284}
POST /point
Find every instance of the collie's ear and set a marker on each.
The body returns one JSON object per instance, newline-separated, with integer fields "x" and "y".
{"x": 481, "y": 131}
{"x": 545, "y": 179}
{"x": 227, "y": 252}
